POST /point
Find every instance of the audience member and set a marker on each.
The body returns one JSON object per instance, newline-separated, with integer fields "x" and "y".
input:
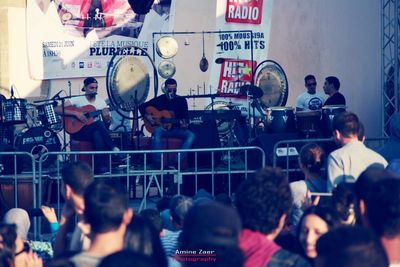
{"x": 127, "y": 258}
{"x": 316, "y": 221}
{"x": 163, "y": 208}
{"x": 350, "y": 246}
{"x": 20, "y": 218}
{"x": 311, "y": 160}
{"x": 383, "y": 215}
{"x": 76, "y": 177}
{"x": 344, "y": 202}
{"x": 153, "y": 216}
{"x": 391, "y": 150}
{"x": 346, "y": 163}
{"x": 179, "y": 206}
{"x": 141, "y": 237}
{"x": 212, "y": 228}
{"x": 264, "y": 202}
{"x": 107, "y": 216}
{"x": 365, "y": 185}
{"x": 16, "y": 251}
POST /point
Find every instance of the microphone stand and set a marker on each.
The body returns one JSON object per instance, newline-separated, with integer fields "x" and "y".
{"x": 62, "y": 99}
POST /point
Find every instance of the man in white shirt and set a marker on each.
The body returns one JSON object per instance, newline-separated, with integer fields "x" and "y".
{"x": 348, "y": 162}
{"x": 310, "y": 100}
{"x": 91, "y": 131}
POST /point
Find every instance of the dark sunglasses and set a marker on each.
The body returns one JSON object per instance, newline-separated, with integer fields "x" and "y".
{"x": 26, "y": 249}
{"x": 311, "y": 84}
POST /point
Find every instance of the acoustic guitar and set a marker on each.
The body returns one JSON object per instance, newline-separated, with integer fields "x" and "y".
{"x": 163, "y": 118}
{"x": 74, "y": 125}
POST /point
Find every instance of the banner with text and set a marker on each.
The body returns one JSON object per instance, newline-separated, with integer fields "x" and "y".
{"x": 75, "y": 38}
{"x": 242, "y": 43}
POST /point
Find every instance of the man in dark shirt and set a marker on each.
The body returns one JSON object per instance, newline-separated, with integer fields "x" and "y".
{"x": 160, "y": 108}
{"x": 331, "y": 88}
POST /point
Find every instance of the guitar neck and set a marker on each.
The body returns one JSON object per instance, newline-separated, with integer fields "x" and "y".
{"x": 93, "y": 114}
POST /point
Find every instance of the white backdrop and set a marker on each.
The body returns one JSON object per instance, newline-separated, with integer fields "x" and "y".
{"x": 329, "y": 37}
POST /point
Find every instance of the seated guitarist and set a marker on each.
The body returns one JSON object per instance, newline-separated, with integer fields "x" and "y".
{"x": 95, "y": 132}
{"x": 177, "y": 107}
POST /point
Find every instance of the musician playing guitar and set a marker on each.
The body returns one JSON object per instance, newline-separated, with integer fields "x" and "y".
{"x": 167, "y": 116}
{"x": 85, "y": 127}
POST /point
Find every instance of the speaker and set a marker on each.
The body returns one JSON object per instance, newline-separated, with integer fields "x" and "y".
{"x": 206, "y": 136}
{"x": 123, "y": 140}
{"x": 266, "y": 142}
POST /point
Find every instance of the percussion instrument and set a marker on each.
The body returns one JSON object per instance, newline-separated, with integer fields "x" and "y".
{"x": 166, "y": 69}
{"x": 224, "y": 126}
{"x": 280, "y": 120}
{"x": 37, "y": 141}
{"x": 308, "y": 123}
{"x": 271, "y": 78}
{"x": 14, "y": 111}
{"x": 47, "y": 115}
{"x": 167, "y": 47}
{"x": 328, "y": 114}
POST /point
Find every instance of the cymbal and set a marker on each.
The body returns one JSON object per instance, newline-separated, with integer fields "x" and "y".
{"x": 231, "y": 105}
{"x": 253, "y": 90}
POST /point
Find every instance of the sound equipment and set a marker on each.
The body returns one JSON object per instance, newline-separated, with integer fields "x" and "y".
{"x": 266, "y": 142}
{"x": 123, "y": 140}
{"x": 206, "y": 136}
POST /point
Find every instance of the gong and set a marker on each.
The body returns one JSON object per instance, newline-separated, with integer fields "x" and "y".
{"x": 271, "y": 78}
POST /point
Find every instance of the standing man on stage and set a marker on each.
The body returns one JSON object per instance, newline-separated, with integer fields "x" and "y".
{"x": 331, "y": 88}
{"x": 96, "y": 132}
{"x": 173, "y": 106}
{"x": 310, "y": 100}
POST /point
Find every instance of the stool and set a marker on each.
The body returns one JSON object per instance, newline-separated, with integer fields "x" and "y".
{"x": 78, "y": 146}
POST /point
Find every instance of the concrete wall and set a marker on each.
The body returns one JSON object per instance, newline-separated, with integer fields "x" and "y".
{"x": 328, "y": 37}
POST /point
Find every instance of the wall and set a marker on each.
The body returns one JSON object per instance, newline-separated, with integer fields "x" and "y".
{"x": 330, "y": 37}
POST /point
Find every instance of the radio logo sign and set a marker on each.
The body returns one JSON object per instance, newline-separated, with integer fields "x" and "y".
{"x": 244, "y": 11}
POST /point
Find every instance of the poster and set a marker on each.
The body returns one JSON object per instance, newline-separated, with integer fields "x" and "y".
{"x": 75, "y": 38}
{"x": 242, "y": 43}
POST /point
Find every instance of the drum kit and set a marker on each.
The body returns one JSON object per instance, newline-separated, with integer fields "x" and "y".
{"x": 41, "y": 126}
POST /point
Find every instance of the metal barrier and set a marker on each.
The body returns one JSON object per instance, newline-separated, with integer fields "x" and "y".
{"x": 24, "y": 181}
{"x": 150, "y": 175}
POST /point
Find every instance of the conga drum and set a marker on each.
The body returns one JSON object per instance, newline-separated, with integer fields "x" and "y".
{"x": 280, "y": 120}
{"x": 308, "y": 123}
{"x": 328, "y": 114}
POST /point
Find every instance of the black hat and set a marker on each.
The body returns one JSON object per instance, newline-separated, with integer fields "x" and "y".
{"x": 211, "y": 223}
{"x": 88, "y": 81}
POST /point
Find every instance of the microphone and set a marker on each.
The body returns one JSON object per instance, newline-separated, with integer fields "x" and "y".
{"x": 57, "y": 96}
{"x": 12, "y": 90}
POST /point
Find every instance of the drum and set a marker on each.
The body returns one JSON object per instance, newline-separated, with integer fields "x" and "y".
{"x": 328, "y": 114}
{"x": 47, "y": 115}
{"x": 14, "y": 111}
{"x": 308, "y": 123}
{"x": 37, "y": 141}
{"x": 280, "y": 120}
{"x": 224, "y": 126}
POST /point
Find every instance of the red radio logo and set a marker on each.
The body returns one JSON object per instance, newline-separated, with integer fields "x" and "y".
{"x": 234, "y": 74}
{"x": 244, "y": 11}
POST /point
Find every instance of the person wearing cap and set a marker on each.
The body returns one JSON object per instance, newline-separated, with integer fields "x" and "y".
{"x": 95, "y": 132}
{"x": 177, "y": 107}
{"x": 210, "y": 235}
